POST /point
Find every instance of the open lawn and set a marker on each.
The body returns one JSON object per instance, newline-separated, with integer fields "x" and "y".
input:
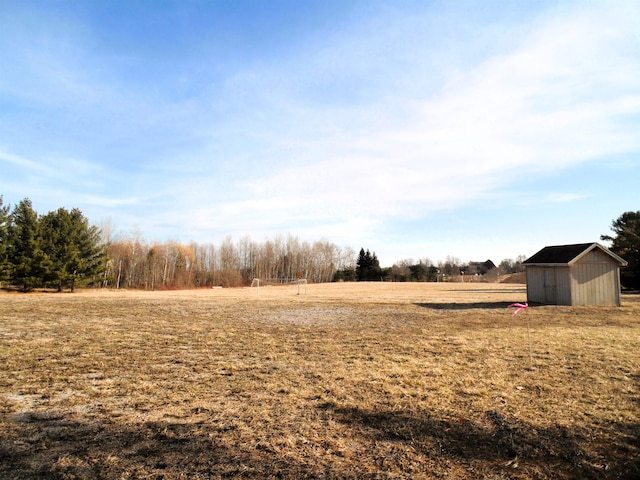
{"x": 373, "y": 380}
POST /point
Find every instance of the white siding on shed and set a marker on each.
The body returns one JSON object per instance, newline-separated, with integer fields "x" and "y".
{"x": 595, "y": 280}
{"x": 535, "y": 284}
{"x": 549, "y": 285}
{"x": 563, "y": 285}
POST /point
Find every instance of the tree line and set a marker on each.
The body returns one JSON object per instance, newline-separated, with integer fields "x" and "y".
{"x": 625, "y": 242}
{"x": 63, "y": 250}
{"x": 134, "y": 263}
{"x": 367, "y": 268}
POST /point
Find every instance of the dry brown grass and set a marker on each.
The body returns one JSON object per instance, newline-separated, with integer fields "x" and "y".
{"x": 345, "y": 381}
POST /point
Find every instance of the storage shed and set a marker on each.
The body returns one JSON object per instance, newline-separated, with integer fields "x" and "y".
{"x": 579, "y": 274}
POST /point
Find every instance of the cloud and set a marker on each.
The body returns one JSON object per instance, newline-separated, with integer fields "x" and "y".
{"x": 559, "y": 97}
{"x": 25, "y": 163}
{"x": 392, "y": 118}
{"x": 53, "y": 181}
{"x": 562, "y": 95}
{"x": 564, "y": 197}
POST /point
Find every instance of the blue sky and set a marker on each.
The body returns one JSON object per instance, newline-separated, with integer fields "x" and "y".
{"x": 472, "y": 129}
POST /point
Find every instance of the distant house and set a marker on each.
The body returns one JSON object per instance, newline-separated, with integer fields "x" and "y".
{"x": 579, "y": 274}
{"x": 480, "y": 268}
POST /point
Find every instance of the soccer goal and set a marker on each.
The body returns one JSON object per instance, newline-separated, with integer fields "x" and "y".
{"x": 299, "y": 283}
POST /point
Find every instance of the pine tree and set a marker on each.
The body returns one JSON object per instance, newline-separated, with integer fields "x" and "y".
{"x": 90, "y": 262}
{"x": 72, "y": 245}
{"x": 30, "y": 266}
{"x": 4, "y": 241}
{"x": 626, "y": 243}
{"x": 367, "y": 266}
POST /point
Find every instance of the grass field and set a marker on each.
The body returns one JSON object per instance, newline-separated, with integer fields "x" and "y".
{"x": 344, "y": 381}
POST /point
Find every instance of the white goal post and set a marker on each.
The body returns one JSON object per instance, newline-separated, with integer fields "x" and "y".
{"x": 273, "y": 282}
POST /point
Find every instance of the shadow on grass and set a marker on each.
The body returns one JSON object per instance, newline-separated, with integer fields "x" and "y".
{"x": 465, "y": 306}
{"x": 50, "y": 446}
{"x": 519, "y": 290}
{"x": 516, "y": 448}
{"x": 630, "y": 292}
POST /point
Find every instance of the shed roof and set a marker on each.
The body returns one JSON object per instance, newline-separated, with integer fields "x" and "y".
{"x": 568, "y": 254}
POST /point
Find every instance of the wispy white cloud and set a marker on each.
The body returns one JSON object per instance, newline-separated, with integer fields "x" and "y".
{"x": 564, "y": 197}
{"x": 25, "y": 163}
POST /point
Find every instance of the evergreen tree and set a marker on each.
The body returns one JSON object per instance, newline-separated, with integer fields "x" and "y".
{"x": 91, "y": 261}
{"x": 347, "y": 274}
{"x": 361, "y": 265}
{"x": 367, "y": 266}
{"x": 30, "y": 266}
{"x": 4, "y": 240}
{"x": 72, "y": 245}
{"x": 626, "y": 243}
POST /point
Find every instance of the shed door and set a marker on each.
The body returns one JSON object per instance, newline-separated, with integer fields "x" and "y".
{"x": 550, "y": 288}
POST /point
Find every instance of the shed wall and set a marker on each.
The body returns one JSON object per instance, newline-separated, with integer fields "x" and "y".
{"x": 535, "y": 284}
{"x": 595, "y": 280}
{"x": 563, "y": 285}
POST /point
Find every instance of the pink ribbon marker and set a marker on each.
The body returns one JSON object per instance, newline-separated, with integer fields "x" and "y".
{"x": 519, "y": 306}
